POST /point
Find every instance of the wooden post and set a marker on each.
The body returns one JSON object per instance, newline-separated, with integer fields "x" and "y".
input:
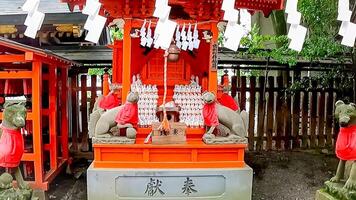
{"x": 106, "y": 89}
{"x": 84, "y": 110}
{"x": 270, "y": 109}
{"x": 260, "y": 122}
{"x": 313, "y": 110}
{"x": 126, "y": 68}
{"x": 37, "y": 123}
{"x": 279, "y": 113}
{"x": 53, "y": 116}
{"x": 213, "y": 75}
{"x": 243, "y": 93}
{"x": 75, "y": 113}
{"x": 64, "y": 113}
{"x": 93, "y": 89}
{"x": 251, "y": 115}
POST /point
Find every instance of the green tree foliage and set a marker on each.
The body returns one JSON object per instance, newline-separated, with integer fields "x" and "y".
{"x": 319, "y": 16}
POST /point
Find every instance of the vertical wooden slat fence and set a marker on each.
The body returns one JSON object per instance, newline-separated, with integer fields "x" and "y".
{"x": 87, "y": 93}
{"x": 277, "y": 120}
{"x": 280, "y": 121}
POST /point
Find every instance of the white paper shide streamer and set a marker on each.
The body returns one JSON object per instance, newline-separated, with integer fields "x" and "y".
{"x": 95, "y": 23}
{"x": 34, "y": 19}
{"x": 234, "y": 32}
{"x": 347, "y": 28}
{"x": 164, "y": 28}
{"x": 297, "y": 32}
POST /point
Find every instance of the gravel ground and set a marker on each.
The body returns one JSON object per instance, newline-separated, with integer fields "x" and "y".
{"x": 289, "y": 175}
{"x": 277, "y": 176}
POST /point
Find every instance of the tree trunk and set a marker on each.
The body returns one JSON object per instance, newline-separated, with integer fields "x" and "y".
{"x": 280, "y": 28}
{"x": 279, "y": 23}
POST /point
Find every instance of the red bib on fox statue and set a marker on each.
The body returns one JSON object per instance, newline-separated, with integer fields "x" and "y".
{"x": 346, "y": 143}
{"x": 110, "y": 101}
{"x": 11, "y": 140}
{"x": 210, "y": 114}
{"x": 12, "y": 147}
{"x": 127, "y": 114}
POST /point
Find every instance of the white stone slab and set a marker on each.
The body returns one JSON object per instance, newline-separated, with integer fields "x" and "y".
{"x": 172, "y": 184}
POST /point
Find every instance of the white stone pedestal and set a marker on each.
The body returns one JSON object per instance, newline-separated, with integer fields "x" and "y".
{"x": 172, "y": 184}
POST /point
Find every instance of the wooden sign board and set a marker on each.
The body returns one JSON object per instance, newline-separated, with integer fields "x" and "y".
{"x": 175, "y": 136}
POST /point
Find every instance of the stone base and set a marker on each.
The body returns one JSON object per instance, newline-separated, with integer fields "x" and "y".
{"x": 113, "y": 140}
{"x": 173, "y": 184}
{"x": 335, "y": 191}
{"x": 322, "y": 195}
{"x": 225, "y": 140}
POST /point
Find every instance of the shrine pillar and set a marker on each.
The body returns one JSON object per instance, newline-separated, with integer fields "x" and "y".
{"x": 126, "y": 66}
{"x": 213, "y": 75}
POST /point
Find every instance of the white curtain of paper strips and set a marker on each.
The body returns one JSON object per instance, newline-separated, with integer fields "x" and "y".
{"x": 95, "y": 23}
{"x": 297, "y": 32}
{"x": 165, "y": 29}
{"x": 34, "y": 19}
{"x": 234, "y": 31}
{"x": 347, "y": 29}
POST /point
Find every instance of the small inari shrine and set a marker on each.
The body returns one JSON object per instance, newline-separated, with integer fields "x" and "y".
{"x": 41, "y": 77}
{"x": 168, "y": 152}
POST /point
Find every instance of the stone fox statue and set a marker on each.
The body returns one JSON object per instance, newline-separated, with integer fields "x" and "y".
{"x": 221, "y": 117}
{"x": 11, "y": 151}
{"x": 346, "y": 144}
{"x": 124, "y": 116}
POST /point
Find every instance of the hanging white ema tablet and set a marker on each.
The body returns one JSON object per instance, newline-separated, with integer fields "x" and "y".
{"x": 228, "y": 4}
{"x": 36, "y": 23}
{"x": 344, "y": 16}
{"x": 291, "y": 6}
{"x": 349, "y": 35}
{"x": 94, "y": 34}
{"x": 231, "y": 15}
{"x": 294, "y": 17}
{"x": 165, "y": 37}
{"x": 162, "y": 12}
{"x": 30, "y": 6}
{"x": 298, "y": 39}
{"x": 91, "y": 8}
{"x": 343, "y": 28}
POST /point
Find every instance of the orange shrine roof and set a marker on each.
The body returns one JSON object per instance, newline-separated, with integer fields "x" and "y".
{"x": 199, "y": 10}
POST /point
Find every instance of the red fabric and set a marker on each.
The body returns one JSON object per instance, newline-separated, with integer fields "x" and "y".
{"x": 108, "y": 102}
{"x": 228, "y": 101}
{"x": 11, "y": 147}
{"x": 128, "y": 113}
{"x": 210, "y": 114}
{"x": 346, "y": 143}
